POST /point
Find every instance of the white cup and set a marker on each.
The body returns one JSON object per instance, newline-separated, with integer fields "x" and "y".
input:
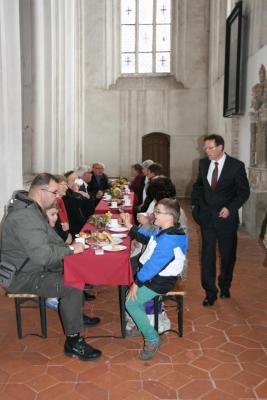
{"x": 80, "y": 240}
{"x": 125, "y": 197}
{"x": 127, "y": 202}
{"x": 113, "y": 223}
{"x": 113, "y": 204}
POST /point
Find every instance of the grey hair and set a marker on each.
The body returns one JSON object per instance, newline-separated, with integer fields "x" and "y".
{"x": 81, "y": 170}
{"x": 98, "y": 163}
{"x": 147, "y": 163}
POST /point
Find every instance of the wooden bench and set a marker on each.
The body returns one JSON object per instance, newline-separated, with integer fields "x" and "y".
{"x": 21, "y": 298}
{"x": 177, "y": 295}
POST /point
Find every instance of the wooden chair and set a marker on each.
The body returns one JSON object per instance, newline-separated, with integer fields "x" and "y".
{"x": 177, "y": 295}
{"x": 21, "y": 298}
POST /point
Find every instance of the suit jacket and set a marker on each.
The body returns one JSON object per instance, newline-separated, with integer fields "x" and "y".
{"x": 232, "y": 191}
{"x": 140, "y": 190}
{"x": 94, "y": 186}
{"x": 87, "y": 190}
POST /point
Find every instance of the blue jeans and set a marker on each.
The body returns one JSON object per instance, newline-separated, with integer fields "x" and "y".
{"x": 137, "y": 311}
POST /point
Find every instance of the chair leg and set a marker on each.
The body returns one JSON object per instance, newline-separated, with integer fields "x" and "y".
{"x": 156, "y": 313}
{"x": 42, "y": 307}
{"x": 180, "y": 303}
{"x": 18, "y": 317}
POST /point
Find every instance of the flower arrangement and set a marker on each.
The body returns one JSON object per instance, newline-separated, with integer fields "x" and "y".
{"x": 115, "y": 192}
{"x": 100, "y": 221}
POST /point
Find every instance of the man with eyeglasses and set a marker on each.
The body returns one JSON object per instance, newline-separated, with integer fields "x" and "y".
{"x": 220, "y": 190}
{"x": 37, "y": 251}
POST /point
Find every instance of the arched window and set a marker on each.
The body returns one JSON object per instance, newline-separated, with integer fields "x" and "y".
{"x": 145, "y": 36}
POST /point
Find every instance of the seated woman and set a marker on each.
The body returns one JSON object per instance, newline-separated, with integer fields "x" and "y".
{"x": 62, "y": 223}
{"x": 137, "y": 175}
{"x": 161, "y": 263}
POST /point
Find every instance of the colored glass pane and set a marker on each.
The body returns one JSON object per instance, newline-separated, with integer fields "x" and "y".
{"x": 163, "y": 42}
{"x": 163, "y": 12}
{"x": 127, "y": 38}
{"x": 128, "y": 63}
{"x": 145, "y": 10}
{"x": 162, "y": 62}
{"x": 144, "y": 62}
{"x": 128, "y": 11}
{"x": 145, "y": 37}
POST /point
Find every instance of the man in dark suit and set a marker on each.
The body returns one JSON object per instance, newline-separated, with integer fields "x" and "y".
{"x": 220, "y": 190}
{"x": 99, "y": 182}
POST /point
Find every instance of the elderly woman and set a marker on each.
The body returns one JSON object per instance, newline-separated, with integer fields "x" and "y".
{"x": 137, "y": 178}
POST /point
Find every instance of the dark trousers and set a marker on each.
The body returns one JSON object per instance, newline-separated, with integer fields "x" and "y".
{"x": 50, "y": 284}
{"x": 227, "y": 244}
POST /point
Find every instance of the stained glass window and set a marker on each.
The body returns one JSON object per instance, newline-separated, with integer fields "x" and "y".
{"x": 145, "y": 36}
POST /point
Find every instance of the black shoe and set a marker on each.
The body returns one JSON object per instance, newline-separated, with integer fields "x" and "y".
{"x": 88, "y": 297}
{"x": 225, "y": 294}
{"x": 207, "y": 302}
{"x": 90, "y": 321}
{"x": 81, "y": 350}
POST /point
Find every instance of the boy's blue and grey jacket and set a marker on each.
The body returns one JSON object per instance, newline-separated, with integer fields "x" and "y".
{"x": 164, "y": 257}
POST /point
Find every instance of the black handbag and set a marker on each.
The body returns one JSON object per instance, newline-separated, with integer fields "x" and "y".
{"x": 7, "y": 273}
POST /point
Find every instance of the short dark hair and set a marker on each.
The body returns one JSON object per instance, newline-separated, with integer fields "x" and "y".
{"x": 42, "y": 180}
{"x": 67, "y": 174}
{"x": 161, "y": 187}
{"x": 219, "y": 140}
{"x": 173, "y": 206}
{"x": 137, "y": 167}
{"x": 155, "y": 168}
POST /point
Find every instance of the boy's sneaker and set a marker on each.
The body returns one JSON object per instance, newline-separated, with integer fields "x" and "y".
{"x": 81, "y": 350}
{"x": 150, "y": 348}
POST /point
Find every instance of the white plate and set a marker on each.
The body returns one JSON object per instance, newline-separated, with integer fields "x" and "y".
{"x": 86, "y": 247}
{"x": 113, "y": 207}
{"x": 119, "y": 235}
{"x": 114, "y": 242}
{"x": 118, "y": 229}
{"x": 127, "y": 205}
{"x": 116, "y": 247}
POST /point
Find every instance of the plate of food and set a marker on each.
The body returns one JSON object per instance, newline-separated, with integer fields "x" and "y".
{"x": 102, "y": 239}
{"x": 117, "y": 228}
{"x": 114, "y": 247}
{"x": 82, "y": 234}
{"x": 119, "y": 235}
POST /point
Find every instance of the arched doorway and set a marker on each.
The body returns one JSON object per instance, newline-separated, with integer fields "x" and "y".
{"x": 156, "y": 147}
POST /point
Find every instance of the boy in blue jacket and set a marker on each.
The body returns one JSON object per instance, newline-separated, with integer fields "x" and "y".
{"x": 161, "y": 263}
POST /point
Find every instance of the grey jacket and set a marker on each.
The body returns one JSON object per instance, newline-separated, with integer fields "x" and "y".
{"x": 26, "y": 233}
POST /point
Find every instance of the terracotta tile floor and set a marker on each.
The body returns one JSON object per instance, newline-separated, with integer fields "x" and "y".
{"x": 221, "y": 356}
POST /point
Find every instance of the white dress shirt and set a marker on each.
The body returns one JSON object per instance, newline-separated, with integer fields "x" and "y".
{"x": 212, "y": 166}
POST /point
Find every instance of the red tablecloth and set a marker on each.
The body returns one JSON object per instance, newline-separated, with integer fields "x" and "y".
{"x": 111, "y": 268}
{"x": 104, "y": 206}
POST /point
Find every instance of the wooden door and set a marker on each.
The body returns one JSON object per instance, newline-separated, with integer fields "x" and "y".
{"x": 156, "y": 147}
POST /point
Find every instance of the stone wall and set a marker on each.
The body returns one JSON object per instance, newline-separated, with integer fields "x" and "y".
{"x": 236, "y": 130}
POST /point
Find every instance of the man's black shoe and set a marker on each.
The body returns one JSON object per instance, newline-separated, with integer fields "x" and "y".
{"x": 225, "y": 294}
{"x": 88, "y": 297}
{"x": 90, "y": 321}
{"x": 81, "y": 350}
{"x": 209, "y": 302}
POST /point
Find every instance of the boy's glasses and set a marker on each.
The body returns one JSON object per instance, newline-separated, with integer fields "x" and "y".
{"x": 157, "y": 211}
